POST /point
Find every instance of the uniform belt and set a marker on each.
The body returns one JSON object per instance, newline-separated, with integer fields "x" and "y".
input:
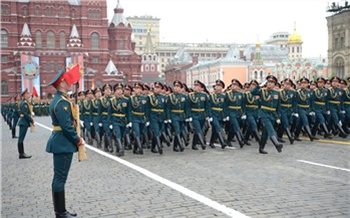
{"x": 57, "y": 128}
{"x": 94, "y": 113}
{"x": 104, "y": 113}
{"x": 118, "y": 115}
{"x": 21, "y": 115}
{"x": 216, "y": 109}
{"x": 252, "y": 106}
{"x": 346, "y": 102}
{"x": 177, "y": 111}
{"x": 157, "y": 110}
{"x": 87, "y": 113}
{"x": 303, "y": 105}
{"x": 320, "y": 103}
{"x": 334, "y": 102}
{"x": 197, "y": 109}
{"x": 268, "y": 108}
{"x": 138, "y": 113}
{"x": 286, "y": 105}
{"x": 235, "y": 107}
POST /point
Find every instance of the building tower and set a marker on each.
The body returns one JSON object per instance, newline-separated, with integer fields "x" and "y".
{"x": 257, "y": 69}
{"x": 150, "y": 63}
{"x": 295, "y": 45}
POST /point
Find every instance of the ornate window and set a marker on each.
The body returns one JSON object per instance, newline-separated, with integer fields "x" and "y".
{"x": 5, "y": 9}
{"x": 62, "y": 12}
{"x": 72, "y": 13}
{"x": 37, "y": 11}
{"x": 50, "y": 40}
{"x": 38, "y": 39}
{"x": 62, "y": 40}
{"x": 48, "y": 66}
{"x": 4, "y": 88}
{"x": 25, "y": 11}
{"x": 4, "y": 39}
{"x": 95, "y": 41}
{"x": 121, "y": 44}
{"x": 339, "y": 67}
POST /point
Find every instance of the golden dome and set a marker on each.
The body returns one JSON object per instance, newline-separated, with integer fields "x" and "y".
{"x": 295, "y": 37}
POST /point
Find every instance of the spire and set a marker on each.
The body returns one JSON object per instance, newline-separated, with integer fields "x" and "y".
{"x": 257, "y": 56}
{"x": 111, "y": 68}
{"x": 119, "y": 16}
{"x": 26, "y": 38}
{"x": 149, "y": 46}
{"x": 74, "y": 38}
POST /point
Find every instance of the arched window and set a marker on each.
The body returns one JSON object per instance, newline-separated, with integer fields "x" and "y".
{"x": 48, "y": 66}
{"x": 339, "y": 67}
{"x": 62, "y": 40}
{"x": 50, "y": 40}
{"x": 25, "y": 11}
{"x": 4, "y": 88}
{"x": 37, "y": 11}
{"x": 298, "y": 49}
{"x": 62, "y": 12}
{"x": 152, "y": 67}
{"x": 98, "y": 14}
{"x": 121, "y": 44}
{"x": 342, "y": 45}
{"x": 4, "y": 39}
{"x": 292, "y": 49}
{"x": 38, "y": 39}
{"x": 261, "y": 74}
{"x": 255, "y": 74}
{"x": 147, "y": 68}
{"x": 5, "y": 9}
{"x": 72, "y": 13}
{"x": 95, "y": 41}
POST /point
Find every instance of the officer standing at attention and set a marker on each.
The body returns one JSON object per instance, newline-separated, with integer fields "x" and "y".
{"x": 63, "y": 142}
{"x": 24, "y": 122}
{"x": 16, "y": 115}
{"x": 269, "y": 110}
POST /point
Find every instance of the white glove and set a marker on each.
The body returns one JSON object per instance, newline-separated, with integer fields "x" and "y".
{"x": 244, "y": 117}
{"x": 147, "y": 123}
{"x": 190, "y": 119}
{"x": 81, "y": 123}
{"x": 100, "y": 124}
{"x": 328, "y": 112}
{"x": 278, "y": 121}
{"x": 296, "y": 115}
{"x": 91, "y": 123}
{"x": 187, "y": 120}
{"x": 224, "y": 119}
{"x": 129, "y": 125}
{"x": 165, "y": 121}
{"x": 210, "y": 119}
{"x": 33, "y": 114}
{"x": 227, "y": 118}
{"x": 111, "y": 126}
{"x": 83, "y": 141}
{"x": 263, "y": 83}
{"x": 342, "y": 112}
{"x": 169, "y": 121}
{"x": 340, "y": 123}
{"x": 312, "y": 113}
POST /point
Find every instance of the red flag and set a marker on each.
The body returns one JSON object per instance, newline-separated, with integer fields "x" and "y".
{"x": 35, "y": 93}
{"x": 73, "y": 75}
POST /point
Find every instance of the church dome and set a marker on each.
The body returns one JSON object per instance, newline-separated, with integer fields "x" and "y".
{"x": 295, "y": 37}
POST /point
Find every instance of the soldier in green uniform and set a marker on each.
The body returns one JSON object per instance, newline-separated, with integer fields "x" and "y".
{"x": 199, "y": 112}
{"x": 24, "y": 122}
{"x": 347, "y": 103}
{"x": 269, "y": 112}
{"x": 336, "y": 105}
{"x": 103, "y": 111}
{"x": 139, "y": 116}
{"x": 119, "y": 117}
{"x": 218, "y": 112}
{"x": 16, "y": 115}
{"x": 87, "y": 114}
{"x": 63, "y": 141}
{"x": 158, "y": 115}
{"x": 127, "y": 140}
{"x": 320, "y": 99}
{"x": 96, "y": 117}
{"x": 178, "y": 110}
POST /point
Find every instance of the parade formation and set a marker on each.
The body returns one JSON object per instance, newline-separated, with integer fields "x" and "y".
{"x": 121, "y": 117}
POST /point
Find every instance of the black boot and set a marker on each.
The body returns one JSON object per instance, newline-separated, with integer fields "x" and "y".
{"x": 247, "y": 137}
{"x": 201, "y": 140}
{"x": 175, "y": 145}
{"x": 159, "y": 144}
{"x": 262, "y": 144}
{"x": 89, "y": 138}
{"x": 184, "y": 135}
{"x": 222, "y": 140}
{"x": 127, "y": 142}
{"x": 22, "y": 155}
{"x": 212, "y": 139}
{"x": 138, "y": 146}
{"x": 105, "y": 143}
{"x": 165, "y": 139}
{"x": 98, "y": 139}
{"x": 240, "y": 139}
{"x": 342, "y": 133}
{"x": 327, "y": 134}
{"x": 276, "y": 143}
{"x": 297, "y": 133}
{"x": 308, "y": 132}
{"x": 291, "y": 139}
{"x": 280, "y": 134}
{"x": 59, "y": 203}
{"x": 194, "y": 142}
{"x": 257, "y": 135}
{"x": 14, "y": 133}
{"x": 119, "y": 148}
{"x": 153, "y": 146}
{"x": 110, "y": 146}
{"x": 146, "y": 139}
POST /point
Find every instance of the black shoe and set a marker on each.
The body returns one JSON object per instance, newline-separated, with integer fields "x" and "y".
{"x": 24, "y": 156}
{"x": 194, "y": 147}
{"x": 281, "y": 140}
{"x": 262, "y": 151}
{"x": 212, "y": 145}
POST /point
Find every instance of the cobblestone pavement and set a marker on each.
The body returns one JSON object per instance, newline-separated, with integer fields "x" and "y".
{"x": 308, "y": 179}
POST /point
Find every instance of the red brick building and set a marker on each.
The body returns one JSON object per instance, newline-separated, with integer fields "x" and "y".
{"x": 49, "y": 34}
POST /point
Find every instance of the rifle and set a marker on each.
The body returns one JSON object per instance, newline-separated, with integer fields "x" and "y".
{"x": 81, "y": 148}
{"x": 32, "y": 127}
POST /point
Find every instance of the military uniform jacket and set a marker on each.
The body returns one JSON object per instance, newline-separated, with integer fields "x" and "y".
{"x": 81, "y": 105}
{"x": 199, "y": 105}
{"x": 103, "y": 108}
{"x": 86, "y": 110}
{"x": 16, "y": 110}
{"x": 139, "y": 109}
{"x": 347, "y": 97}
{"x": 218, "y": 105}
{"x": 235, "y": 103}
{"x": 64, "y": 138}
{"x": 178, "y": 107}
{"x": 270, "y": 102}
{"x": 320, "y": 99}
{"x": 252, "y": 103}
{"x": 119, "y": 111}
{"x": 304, "y": 100}
{"x": 95, "y": 104}
{"x": 335, "y": 98}
{"x": 157, "y": 105}
{"x": 288, "y": 101}
{"x": 26, "y": 113}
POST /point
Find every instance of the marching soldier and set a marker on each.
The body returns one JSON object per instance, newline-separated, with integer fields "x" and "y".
{"x": 87, "y": 114}
{"x": 218, "y": 111}
{"x": 119, "y": 117}
{"x": 347, "y": 103}
{"x": 127, "y": 93}
{"x": 103, "y": 111}
{"x": 200, "y": 109}
{"x": 63, "y": 142}
{"x": 24, "y": 122}
{"x": 139, "y": 116}
{"x": 178, "y": 111}
{"x": 96, "y": 116}
{"x": 268, "y": 113}
{"x": 252, "y": 103}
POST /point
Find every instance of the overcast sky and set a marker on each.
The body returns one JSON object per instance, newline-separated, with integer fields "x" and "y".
{"x": 235, "y": 21}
